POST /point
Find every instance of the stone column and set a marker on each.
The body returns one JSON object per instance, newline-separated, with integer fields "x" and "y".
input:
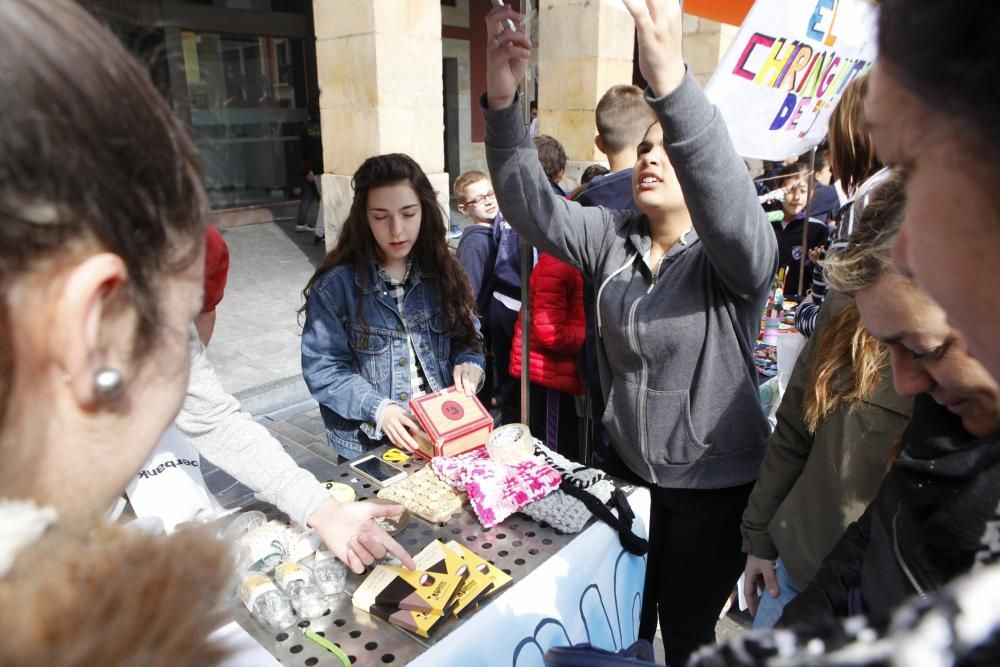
{"x": 584, "y": 48}
{"x": 705, "y": 42}
{"x": 379, "y": 68}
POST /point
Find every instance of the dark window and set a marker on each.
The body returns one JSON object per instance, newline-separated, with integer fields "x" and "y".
{"x": 290, "y": 6}
{"x": 248, "y": 114}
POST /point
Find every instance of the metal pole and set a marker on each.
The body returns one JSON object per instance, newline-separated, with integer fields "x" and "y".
{"x": 526, "y": 254}
{"x": 526, "y": 257}
{"x": 805, "y": 227}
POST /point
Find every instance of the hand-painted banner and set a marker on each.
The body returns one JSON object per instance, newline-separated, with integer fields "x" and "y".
{"x": 786, "y": 70}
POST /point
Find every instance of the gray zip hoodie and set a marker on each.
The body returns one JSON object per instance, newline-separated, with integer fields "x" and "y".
{"x": 675, "y": 345}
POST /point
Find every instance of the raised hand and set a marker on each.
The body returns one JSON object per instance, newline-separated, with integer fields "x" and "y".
{"x": 508, "y": 54}
{"x": 658, "y": 30}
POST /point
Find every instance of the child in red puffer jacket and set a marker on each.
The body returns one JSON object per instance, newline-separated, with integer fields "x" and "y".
{"x": 558, "y": 328}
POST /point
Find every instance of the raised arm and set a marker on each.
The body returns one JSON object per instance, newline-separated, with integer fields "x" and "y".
{"x": 718, "y": 190}
{"x": 551, "y": 223}
{"x": 214, "y": 424}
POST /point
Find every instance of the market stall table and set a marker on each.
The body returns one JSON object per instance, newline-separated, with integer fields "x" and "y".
{"x": 567, "y": 589}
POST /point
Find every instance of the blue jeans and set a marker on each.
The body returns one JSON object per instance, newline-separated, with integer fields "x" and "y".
{"x": 769, "y": 610}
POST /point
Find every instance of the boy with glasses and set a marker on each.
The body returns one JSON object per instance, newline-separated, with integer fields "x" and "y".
{"x": 490, "y": 251}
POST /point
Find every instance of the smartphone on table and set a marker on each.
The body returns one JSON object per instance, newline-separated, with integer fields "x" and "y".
{"x": 374, "y": 468}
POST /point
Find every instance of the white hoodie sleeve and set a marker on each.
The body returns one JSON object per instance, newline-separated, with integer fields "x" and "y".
{"x": 211, "y": 419}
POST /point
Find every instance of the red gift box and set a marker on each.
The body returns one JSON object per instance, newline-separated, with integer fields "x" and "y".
{"x": 454, "y": 423}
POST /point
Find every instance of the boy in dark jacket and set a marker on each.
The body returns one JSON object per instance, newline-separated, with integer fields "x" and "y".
{"x": 477, "y": 248}
{"x": 477, "y": 253}
{"x": 490, "y": 252}
{"x": 622, "y": 117}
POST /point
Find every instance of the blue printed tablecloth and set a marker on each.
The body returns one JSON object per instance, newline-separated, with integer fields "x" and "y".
{"x": 589, "y": 592}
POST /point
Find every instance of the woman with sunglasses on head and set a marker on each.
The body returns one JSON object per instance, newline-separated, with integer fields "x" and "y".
{"x": 931, "y": 107}
{"x": 924, "y": 525}
{"x": 856, "y": 167}
{"x": 887, "y": 591}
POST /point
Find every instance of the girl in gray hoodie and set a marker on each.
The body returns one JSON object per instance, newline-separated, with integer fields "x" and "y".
{"x": 680, "y": 289}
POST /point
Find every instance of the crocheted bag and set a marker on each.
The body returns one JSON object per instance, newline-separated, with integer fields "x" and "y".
{"x": 561, "y": 510}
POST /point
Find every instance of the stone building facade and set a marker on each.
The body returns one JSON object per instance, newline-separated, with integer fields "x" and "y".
{"x": 256, "y": 80}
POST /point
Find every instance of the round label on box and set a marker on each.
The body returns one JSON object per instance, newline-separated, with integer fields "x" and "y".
{"x": 452, "y": 410}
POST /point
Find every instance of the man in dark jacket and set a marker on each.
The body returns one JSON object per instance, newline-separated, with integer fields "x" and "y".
{"x": 311, "y": 165}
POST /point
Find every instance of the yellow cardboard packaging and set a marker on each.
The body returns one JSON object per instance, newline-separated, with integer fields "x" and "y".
{"x": 497, "y": 577}
{"x": 413, "y": 590}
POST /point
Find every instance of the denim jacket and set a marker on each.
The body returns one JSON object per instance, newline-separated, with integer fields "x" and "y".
{"x": 354, "y": 350}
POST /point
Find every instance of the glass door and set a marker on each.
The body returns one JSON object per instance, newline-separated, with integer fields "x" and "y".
{"x": 247, "y": 96}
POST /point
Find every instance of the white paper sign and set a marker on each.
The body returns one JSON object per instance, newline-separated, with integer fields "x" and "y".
{"x": 787, "y": 68}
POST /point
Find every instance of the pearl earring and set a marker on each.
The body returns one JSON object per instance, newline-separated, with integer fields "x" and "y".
{"x": 108, "y": 383}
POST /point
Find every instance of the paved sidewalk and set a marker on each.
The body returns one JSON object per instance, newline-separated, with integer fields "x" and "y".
{"x": 256, "y": 340}
{"x": 255, "y": 348}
